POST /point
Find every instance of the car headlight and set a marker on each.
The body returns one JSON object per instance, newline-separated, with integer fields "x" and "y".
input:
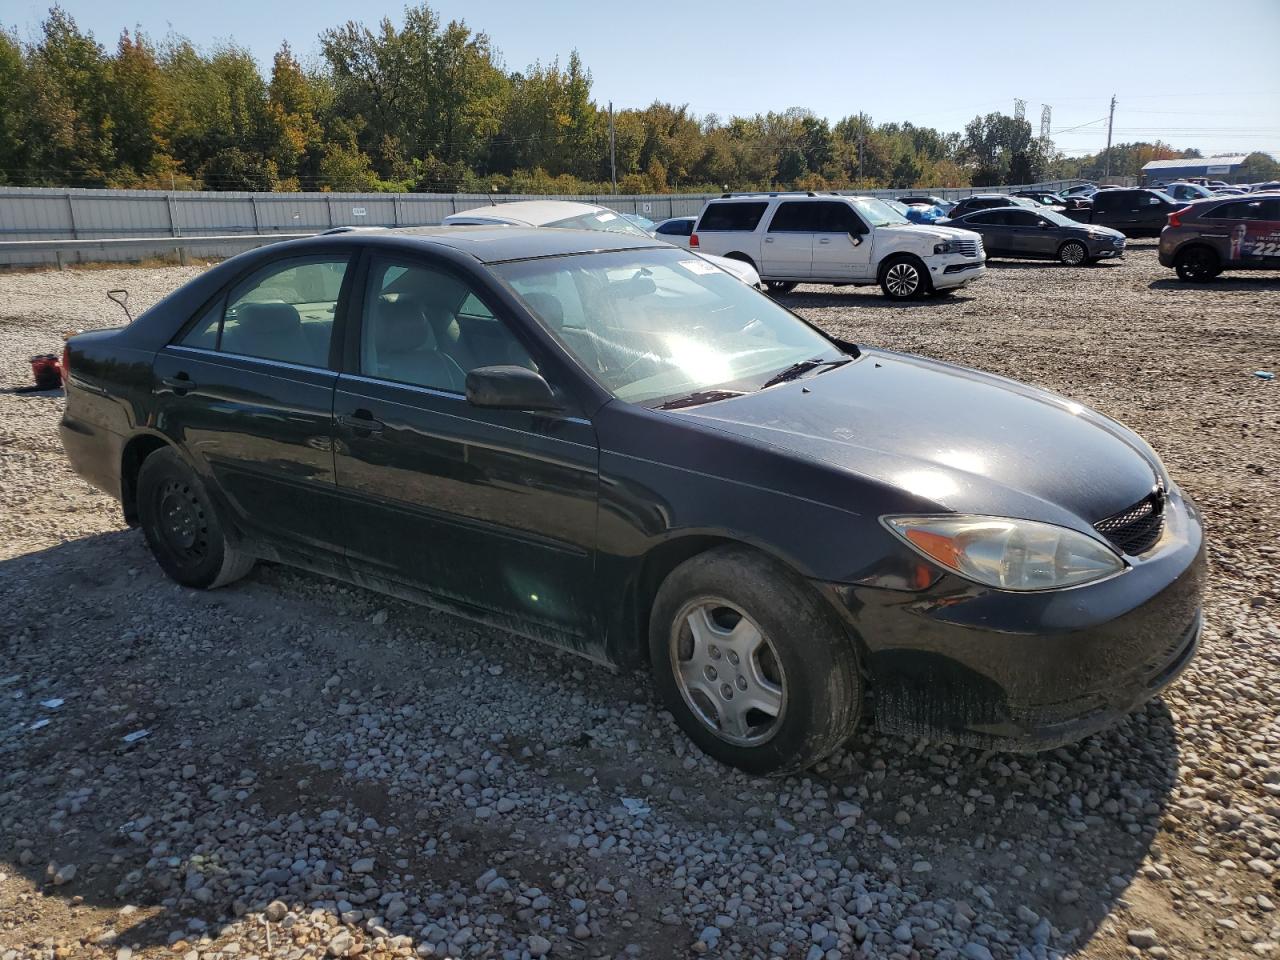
{"x": 944, "y": 247}
{"x": 1005, "y": 553}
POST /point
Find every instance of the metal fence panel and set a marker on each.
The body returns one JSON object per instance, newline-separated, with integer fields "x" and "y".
{"x": 47, "y": 213}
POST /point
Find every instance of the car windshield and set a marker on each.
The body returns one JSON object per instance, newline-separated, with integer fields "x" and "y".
{"x": 655, "y": 325}
{"x": 1053, "y": 216}
{"x": 895, "y": 205}
{"x": 1164, "y": 196}
{"x": 600, "y": 220}
{"x": 878, "y": 213}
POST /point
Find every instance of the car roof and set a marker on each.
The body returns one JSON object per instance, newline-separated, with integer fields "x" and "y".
{"x": 495, "y": 244}
{"x": 533, "y": 213}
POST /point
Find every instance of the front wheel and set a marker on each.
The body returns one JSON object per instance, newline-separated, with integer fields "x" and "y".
{"x": 1073, "y": 253}
{"x": 780, "y": 286}
{"x": 902, "y": 279}
{"x": 1197, "y": 265}
{"x": 182, "y": 526}
{"x": 755, "y": 668}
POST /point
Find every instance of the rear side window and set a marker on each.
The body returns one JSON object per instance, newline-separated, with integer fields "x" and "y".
{"x": 1246, "y": 210}
{"x": 1108, "y": 199}
{"x": 677, "y": 228}
{"x": 732, "y": 216}
{"x": 283, "y": 312}
{"x": 985, "y": 219}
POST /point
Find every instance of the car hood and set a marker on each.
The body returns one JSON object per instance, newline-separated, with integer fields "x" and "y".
{"x": 919, "y": 231}
{"x": 1098, "y": 230}
{"x": 965, "y": 440}
{"x": 743, "y": 271}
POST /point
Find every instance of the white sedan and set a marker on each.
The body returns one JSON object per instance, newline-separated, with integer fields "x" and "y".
{"x": 676, "y": 231}
{"x": 584, "y": 216}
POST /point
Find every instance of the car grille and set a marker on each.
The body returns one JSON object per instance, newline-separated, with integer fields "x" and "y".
{"x": 969, "y": 247}
{"x": 1135, "y": 531}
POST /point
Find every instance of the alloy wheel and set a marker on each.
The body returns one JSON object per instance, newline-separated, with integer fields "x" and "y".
{"x": 727, "y": 671}
{"x": 902, "y": 280}
{"x": 1073, "y": 254}
{"x": 1196, "y": 265}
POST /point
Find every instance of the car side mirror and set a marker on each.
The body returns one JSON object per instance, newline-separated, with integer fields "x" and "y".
{"x": 1044, "y": 225}
{"x": 510, "y": 388}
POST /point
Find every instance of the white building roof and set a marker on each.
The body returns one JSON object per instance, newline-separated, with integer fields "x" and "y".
{"x": 1234, "y": 160}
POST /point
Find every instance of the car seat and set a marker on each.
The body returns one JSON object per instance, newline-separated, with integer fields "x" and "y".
{"x": 405, "y": 348}
{"x": 272, "y": 331}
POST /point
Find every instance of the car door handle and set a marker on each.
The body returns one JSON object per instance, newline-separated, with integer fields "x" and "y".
{"x": 180, "y": 383}
{"x": 362, "y": 421}
{"x": 825, "y": 240}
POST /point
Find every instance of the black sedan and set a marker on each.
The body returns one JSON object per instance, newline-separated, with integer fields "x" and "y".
{"x": 1041, "y": 235}
{"x": 598, "y": 441}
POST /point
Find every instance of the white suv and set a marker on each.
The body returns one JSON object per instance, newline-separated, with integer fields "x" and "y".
{"x": 825, "y": 238}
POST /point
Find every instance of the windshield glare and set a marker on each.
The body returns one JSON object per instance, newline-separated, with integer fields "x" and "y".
{"x": 1053, "y": 216}
{"x": 878, "y": 213}
{"x": 653, "y": 325}
{"x": 601, "y": 220}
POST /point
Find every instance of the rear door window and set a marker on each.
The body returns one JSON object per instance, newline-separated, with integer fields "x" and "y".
{"x": 1020, "y": 218}
{"x": 283, "y": 312}
{"x": 985, "y": 219}
{"x": 795, "y": 216}
{"x": 1243, "y": 210}
{"x": 744, "y": 216}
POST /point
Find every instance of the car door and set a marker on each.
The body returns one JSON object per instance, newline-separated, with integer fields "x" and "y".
{"x": 990, "y": 224}
{"x": 787, "y": 250}
{"x": 1115, "y": 208}
{"x": 841, "y": 244}
{"x": 1150, "y": 211}
{"x": 1029, "y": 234}
{"x": 487, "y": 511}
{"x": 247, "y": 391}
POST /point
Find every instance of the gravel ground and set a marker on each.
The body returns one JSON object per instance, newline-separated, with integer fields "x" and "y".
{"x": 293, "y": 768}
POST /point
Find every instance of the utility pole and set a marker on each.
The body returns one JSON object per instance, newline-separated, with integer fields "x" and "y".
{"x": 862, "y": 145}
{"x": 1110, "y": 118}
{"x": 613, "y": 153}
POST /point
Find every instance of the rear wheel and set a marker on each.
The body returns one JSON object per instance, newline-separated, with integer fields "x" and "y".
{"x": 753, "y": 665}
{"x": 1073, "y": 253}
{"x": 780, "y": 286}
{"x": 1197, "y": 265}
{"x": 182, "y": 526}
{"x": 902, "y": 278}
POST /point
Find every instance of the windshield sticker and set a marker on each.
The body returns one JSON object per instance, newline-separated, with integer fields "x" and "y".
{"x": 606, "y": 217}
{"x": 700, "y": 267}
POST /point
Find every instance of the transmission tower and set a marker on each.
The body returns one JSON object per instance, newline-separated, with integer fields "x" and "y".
{"x": 1019, "y": 109}
{"x": 1046, "y": 112}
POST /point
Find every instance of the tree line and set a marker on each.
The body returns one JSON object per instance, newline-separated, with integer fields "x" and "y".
{"x": 425, "y": 105}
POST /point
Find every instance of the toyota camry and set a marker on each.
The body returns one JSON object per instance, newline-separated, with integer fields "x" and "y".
{"x": 598, "y": 441}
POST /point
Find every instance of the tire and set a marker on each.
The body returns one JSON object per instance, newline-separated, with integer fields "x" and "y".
{"x": 780, "y": 286}
{"x": 903, "y": 278}
{"x": 1197, "y": 264}
{"x": 182, "y": 526}
{"x": 1073, "y": 253}
{"x": 803, "y": 671}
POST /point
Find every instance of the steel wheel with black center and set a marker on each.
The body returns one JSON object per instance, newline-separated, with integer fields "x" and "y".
{"x": 182, "y": 526}
{"x": 753, "y": 664}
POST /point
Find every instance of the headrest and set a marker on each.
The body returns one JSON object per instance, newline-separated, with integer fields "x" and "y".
{"x": 401, "y": 325}
{"x": 548, "y": 307}
{"x": 269, "y": 319}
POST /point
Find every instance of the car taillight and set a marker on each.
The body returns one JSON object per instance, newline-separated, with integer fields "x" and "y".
{"x": 1175, "y": 218}
{"x": 693, "y": 239}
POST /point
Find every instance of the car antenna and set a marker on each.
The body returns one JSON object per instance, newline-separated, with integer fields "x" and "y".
{"x": 121, "y": 297}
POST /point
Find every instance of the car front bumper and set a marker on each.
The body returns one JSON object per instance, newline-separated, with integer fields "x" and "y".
{"x": 954, "y": 271}
{"x": 962, "y": 663}
{"x": 1105, "y": 249}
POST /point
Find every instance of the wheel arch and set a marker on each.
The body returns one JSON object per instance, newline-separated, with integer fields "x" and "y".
{"x": 136, "y": 450}
{"x": 658, "y": 563}
{"x": 744, "y": 258}
{"x": 898, "y": 255}
{"x": 1197, "y": 243}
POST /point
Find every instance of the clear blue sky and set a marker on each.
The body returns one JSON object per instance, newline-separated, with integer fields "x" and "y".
{"x": 1210, "y": 82}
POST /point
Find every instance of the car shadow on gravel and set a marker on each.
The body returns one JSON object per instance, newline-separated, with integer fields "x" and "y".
{"x": 1049, "y": 841}
{"x": 862, "y": 297}
{"x": 1253, "y": 284}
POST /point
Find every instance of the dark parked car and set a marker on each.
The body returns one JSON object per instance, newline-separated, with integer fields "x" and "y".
{"x": 1041, "y": 235}
{"x": 599, "y": 441}
{"x": 989, "y": 201}
{"x": 1135, "y": 213}
{"x": 1225, "y": 233}
{"x": 1052, "y": 200}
